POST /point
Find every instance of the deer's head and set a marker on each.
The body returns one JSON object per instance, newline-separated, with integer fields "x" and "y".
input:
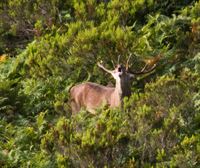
{"x": 123, "y": 76}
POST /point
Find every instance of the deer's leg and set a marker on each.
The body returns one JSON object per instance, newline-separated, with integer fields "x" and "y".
{"x": 75, "y": 107}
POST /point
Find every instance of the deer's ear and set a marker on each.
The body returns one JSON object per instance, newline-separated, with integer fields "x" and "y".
{"x": 131, "y": 76}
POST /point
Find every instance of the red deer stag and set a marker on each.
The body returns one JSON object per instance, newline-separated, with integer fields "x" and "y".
{"x": 92, "y": 95}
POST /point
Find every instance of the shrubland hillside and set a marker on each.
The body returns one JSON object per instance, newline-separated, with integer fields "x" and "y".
{"x": 47, "y": 47}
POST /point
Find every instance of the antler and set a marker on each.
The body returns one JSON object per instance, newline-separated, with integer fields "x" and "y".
{"x": 149, "y": 63}
{"x": 113, "y": 64}
{"x": 101, "y": 66}
{"x": 118, "y": 59}
{"x": 143, "y": 70}
{"x": 127, "y": 62}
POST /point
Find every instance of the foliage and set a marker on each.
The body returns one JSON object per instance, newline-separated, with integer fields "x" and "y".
{"x": 50, "y": 46}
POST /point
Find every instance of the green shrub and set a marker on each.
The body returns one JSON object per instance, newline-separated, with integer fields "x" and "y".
{"x": 59, "y": 44}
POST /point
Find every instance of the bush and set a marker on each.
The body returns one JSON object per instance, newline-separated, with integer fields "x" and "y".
{"x": 158, "y": 126}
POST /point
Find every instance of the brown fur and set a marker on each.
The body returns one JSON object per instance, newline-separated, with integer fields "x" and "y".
{"x": 91, "y": 95}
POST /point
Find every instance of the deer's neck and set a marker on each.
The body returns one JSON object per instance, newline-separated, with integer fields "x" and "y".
{"x": 122, "y": 90}
{"x": 118, "y": 91}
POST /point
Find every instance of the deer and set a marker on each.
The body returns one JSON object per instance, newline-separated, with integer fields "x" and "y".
{"x": 91, "y": 96}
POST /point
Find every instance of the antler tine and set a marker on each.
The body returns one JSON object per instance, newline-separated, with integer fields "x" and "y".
{"x": 145, "y": 66}
{"x": 151, "y": 69}
{"x": 143, "y": 70}
{"x": 113, "y": 64}
{"x": 127, "y": 62}
{"x": 118, "y": 59}
{"x": 151, "y": 63}
{"x": 102, "y": 67}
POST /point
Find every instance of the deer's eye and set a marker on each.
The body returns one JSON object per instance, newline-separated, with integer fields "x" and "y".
{"x": 119, "y": 69}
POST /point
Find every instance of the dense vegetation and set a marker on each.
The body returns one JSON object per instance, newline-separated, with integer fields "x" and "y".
{"x": 48, "y": 46}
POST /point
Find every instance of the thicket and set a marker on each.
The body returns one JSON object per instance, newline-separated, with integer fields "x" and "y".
{"x": 47, "y": 47}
